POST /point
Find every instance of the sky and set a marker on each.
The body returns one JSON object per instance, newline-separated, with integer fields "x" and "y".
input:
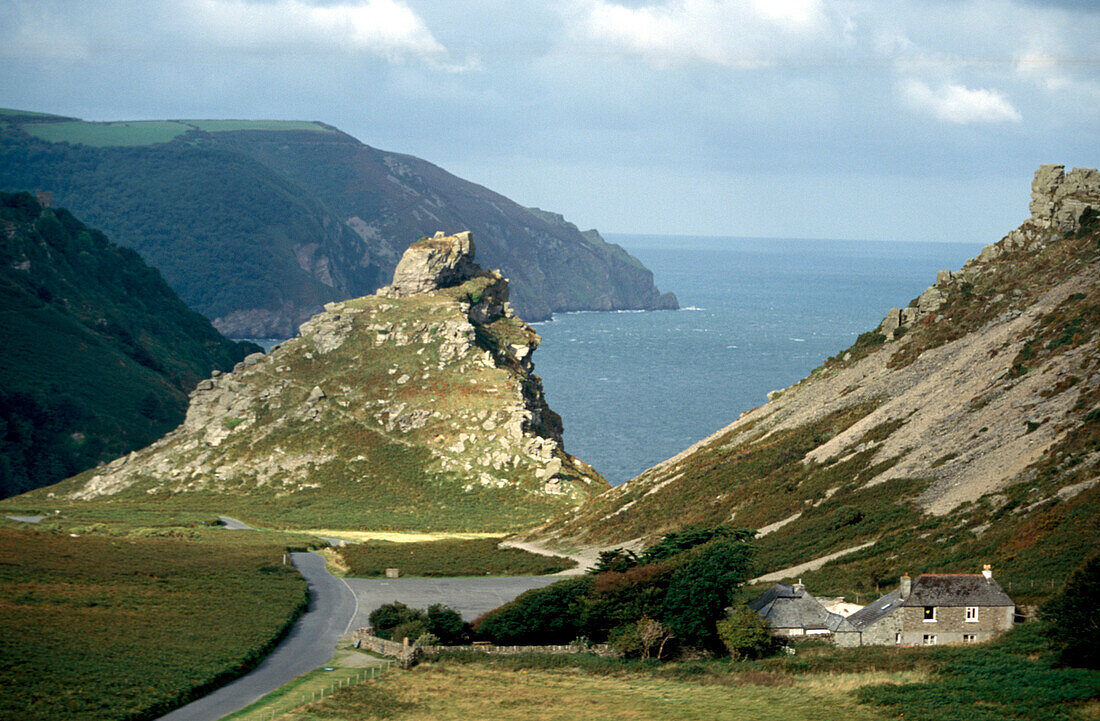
{"x": 855, "y": 119}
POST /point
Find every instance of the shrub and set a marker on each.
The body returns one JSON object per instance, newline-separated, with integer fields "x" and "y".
{"x": 701, "y": 589}
{"x": 387, "y": 618}
{"x": 553, "y": 614}
{"x": 1073, "y": 618}
{"x": 744, "y": 633}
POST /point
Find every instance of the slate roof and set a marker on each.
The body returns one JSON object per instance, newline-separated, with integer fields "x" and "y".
{"x": 872, "y": 612}
{"x": 956, "y": 589}
{"x": 785, "y": 606}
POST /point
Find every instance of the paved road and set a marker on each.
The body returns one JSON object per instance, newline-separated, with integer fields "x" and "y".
{"x": 471, "y": 597}
{"x": 309, "y": 645}
{"x": 232, "y": 524}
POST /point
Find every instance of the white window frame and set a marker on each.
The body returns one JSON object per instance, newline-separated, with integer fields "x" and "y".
{"x": 972, "y": 614}
{"x": 929, "y": 620}
{"x": 969, "y": 638}
{"x": 929, "y": 639}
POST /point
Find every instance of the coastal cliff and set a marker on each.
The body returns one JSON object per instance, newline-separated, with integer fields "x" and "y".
{"x": 257, "y": 224}
{"x": 966, "y": 425}
{"x": 413, "y": 409}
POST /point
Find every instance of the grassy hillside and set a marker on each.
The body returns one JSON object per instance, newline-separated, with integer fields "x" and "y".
{"x": 257, "y": 224}
{"x": 385, "y": 414}
{"x": 99, "y": 353}
{"x": 968, "y": 435}
{"x": 107, "y": 628}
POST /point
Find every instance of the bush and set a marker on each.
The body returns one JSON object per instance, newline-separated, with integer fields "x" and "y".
{"x": 1073, "y": 618}
{"x": 553, "y": 614}
{"x": 701, "y": 589}
{"x": 389, "y": 617}
{"x": 744, "y": 633}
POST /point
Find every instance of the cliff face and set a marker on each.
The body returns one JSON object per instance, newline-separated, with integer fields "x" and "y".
{"x": 413, "y": 409}
{"x": 257, "y": 225}
{"x": 966, "y": 425}
{"x": 97, "y": 354}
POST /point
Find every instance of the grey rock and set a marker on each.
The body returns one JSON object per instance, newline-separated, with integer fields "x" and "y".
{"x": 434, "y": 263}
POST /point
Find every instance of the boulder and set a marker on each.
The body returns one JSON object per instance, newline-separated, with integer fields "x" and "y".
{"x": 433, "y": 263}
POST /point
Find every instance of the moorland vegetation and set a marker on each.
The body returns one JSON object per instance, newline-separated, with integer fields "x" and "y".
{"x": 128, "y": 626}
{"x": 99, "y": 353}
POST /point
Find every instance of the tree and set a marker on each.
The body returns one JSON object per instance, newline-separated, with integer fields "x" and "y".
{"x": 616, "y": 559}
{"x": 652, "y": 632}
{"x": 391, "y": 617}
{"x": 701, "y": 589}
{"x": 1073, "y": 618}
{"x": 445, "y": 623}
{"x": 744, "y": 633}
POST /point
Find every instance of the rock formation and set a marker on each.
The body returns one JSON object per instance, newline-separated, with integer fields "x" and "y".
{"x": 433, "y": 263}
{"x": 1059, "y": 202}
{"x": 416, "y": 408}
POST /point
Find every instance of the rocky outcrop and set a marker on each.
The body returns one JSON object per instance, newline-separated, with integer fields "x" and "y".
{"x": 1059, "y": 204}
{"x": 418, "y": 408}
{"x": 432, "y": 263}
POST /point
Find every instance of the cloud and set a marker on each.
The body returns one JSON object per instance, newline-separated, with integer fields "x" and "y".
{"x": 382, "y": 28}
{"x": 718, "y": 32}
{"x": 959, "y": 104}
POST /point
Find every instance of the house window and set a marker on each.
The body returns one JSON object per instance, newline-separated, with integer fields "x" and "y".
{"x": 971, "y": 613}
{"x": 929, "y": 613}
{"x": 969, "y": 638}
{"x": 897, "y": 638}
{"x": 929, "y": 639}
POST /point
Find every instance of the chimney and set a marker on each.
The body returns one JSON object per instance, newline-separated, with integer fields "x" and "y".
{"x": 799, "y": 588}
{"x": 987, "y": 571}
{"x": 906, "y": 586}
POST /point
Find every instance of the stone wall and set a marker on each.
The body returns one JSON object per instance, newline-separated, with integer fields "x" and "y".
{"x": 409, "y": 655}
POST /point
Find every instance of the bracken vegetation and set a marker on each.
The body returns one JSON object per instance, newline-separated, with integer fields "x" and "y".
{"x": 473, "y": 557}
{"x": 96, "y": 628}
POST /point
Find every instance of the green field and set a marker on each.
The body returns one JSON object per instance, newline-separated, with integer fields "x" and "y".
{"x": 99, "y": 628}
{"x": 146, "y": 132}
{"x": 474, "y": 557}
{"x": 102, "y": 135}
{"x": 215, "y": 126}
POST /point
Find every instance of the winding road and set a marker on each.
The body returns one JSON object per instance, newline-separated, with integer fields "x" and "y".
{"x": 309, "y": 645}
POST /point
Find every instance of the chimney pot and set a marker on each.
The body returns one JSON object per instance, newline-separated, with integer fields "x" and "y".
{"x": 906, "y": 586}
{"x": 987, "y": 571}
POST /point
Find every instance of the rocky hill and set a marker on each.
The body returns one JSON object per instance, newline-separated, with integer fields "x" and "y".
{"x": 97, "y": 354}
{"x": 966, "y": 427}
{"x": 257, "y": 224}
{"x": 413, "y": 409}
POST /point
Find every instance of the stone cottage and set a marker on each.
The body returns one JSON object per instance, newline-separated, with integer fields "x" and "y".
{"x": 936, "y": 608}
{"x": 792, "y": 611}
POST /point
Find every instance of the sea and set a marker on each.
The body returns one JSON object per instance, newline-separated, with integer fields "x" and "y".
{"x": 634, "y": 388}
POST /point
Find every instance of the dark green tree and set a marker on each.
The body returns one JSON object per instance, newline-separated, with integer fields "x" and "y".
{"x": 1073, "y": 618}
{"x": 702, "y": 587}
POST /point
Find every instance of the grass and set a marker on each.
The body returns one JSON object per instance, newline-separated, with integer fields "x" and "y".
{"x": 345, "y": 669}
{"x": 103, "y": 135}
{"x": 215, "y": 126}
{"x": 449, "y": 691}
{"x": 473, "y": 557}
{"x": 102, "y": 628}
